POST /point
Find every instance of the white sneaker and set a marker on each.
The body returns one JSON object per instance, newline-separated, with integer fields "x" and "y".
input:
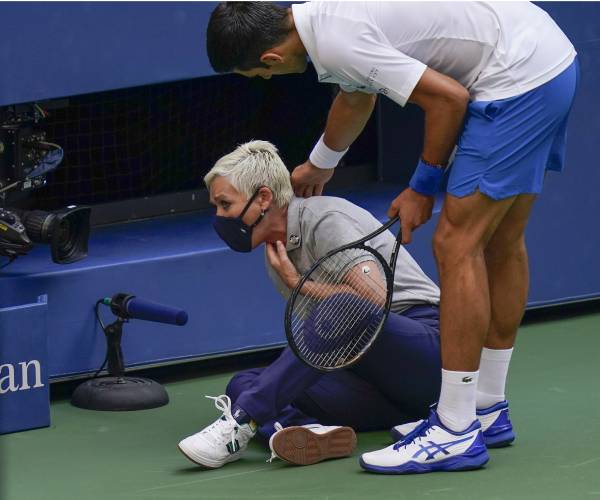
{"x": 221, "y": 442}
{"x": 312, "y": 443}
{"x": 428, "y": 448}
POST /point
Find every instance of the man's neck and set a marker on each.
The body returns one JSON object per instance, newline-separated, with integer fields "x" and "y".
{"x": 293, "y": 39}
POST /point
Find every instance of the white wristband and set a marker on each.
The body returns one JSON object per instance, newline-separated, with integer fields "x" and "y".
{"x": 324, "y": 157}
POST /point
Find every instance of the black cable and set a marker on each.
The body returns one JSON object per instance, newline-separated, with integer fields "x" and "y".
{"x": 104, "y": 330}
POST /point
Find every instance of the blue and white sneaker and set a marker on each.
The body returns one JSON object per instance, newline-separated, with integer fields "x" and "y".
{"x": 430, "y": 447}
{"x": 495, "y": 424}
{"x": 399, "y": 432}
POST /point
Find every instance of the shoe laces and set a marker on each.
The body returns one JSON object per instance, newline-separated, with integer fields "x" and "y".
{"x": 420, "y": 431}
{"x": 278, "y": 427}
{"x": 226, "y": 426}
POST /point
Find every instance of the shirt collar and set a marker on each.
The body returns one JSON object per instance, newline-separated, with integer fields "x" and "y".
{"x": 294, "y": 236}
{"x": 302, "y": 21}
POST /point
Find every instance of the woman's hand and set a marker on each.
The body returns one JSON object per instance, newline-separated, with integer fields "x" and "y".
{"x": 279, "y": 260}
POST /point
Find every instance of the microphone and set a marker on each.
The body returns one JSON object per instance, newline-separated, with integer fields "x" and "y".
{"x": 129, "y": 306}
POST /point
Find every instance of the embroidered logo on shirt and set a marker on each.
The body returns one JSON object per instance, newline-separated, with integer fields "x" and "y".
{"x": 372, "y": 75}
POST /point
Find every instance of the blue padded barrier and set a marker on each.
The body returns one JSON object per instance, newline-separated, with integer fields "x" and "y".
{"x": 24, "y": 390}
{"x": 172, "y": 260}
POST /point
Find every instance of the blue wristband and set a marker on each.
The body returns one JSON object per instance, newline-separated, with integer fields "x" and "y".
{"x": 426, "y": 179}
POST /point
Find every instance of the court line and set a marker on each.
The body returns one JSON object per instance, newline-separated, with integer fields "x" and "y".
{"x": 590, "y": 461}
{"x": 200, "y": 480}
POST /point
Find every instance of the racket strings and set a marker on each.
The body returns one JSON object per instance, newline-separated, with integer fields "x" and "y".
{"x": 342, "y": 310}
{"x": 340, "y": 353}
{"x": 358, "y": 313}
{"x": 309, "y": 301}
{"x": 340, "y": 263}
{"x": 346, "y": 351}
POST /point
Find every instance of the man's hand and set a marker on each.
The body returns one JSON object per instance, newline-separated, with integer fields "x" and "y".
{"x": 414, "y": 210}
{"x": 309, "y": 180}
{"x": 279, "y": 260}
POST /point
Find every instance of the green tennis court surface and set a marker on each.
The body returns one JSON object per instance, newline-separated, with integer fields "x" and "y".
{"x": 553, "y": 388}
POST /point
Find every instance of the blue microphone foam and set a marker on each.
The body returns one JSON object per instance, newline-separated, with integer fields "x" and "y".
{"x": 152, "y": 311}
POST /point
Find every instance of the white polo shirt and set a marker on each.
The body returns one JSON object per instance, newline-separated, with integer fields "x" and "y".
{"x": 494, "y": 49}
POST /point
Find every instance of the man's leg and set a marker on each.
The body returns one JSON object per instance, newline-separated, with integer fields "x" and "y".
{"x": 451, "y": 438}
{"x": 508, "y": 278}
{"x": 465, "y": 227}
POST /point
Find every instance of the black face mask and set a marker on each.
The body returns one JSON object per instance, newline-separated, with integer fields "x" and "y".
{"x": 234, "y": 231}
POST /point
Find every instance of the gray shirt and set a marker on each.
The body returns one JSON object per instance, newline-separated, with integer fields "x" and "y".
{"x": 319, "y": 224}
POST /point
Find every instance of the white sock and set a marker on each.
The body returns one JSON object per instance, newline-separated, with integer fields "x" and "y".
{"x": 493, "y": 369}
{"x": 456, "y": 408}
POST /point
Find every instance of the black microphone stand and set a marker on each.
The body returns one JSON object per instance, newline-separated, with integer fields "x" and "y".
{"x": 116, "y": 392}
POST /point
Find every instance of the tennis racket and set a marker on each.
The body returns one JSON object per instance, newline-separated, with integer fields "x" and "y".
{"x": 339, "y": 306}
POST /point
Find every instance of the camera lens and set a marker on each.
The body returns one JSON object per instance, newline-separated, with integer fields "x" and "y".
{"x": 37, "y": 224}
{"x": 66, "y": 238}
{"x": 66, "y": 231}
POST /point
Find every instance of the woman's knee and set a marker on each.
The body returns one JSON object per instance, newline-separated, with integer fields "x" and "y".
{"x": 240, "y": 382}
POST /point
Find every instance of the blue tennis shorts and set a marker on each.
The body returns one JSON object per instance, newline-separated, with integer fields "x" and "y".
{"x": 506, "y": 146}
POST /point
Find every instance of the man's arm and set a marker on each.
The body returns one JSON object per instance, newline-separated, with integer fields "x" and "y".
{"x": 444, "y": 101}
{"x": 347, "y": 118}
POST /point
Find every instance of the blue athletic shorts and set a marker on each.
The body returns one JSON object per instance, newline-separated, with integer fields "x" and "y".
{"x": 506, "y": 146}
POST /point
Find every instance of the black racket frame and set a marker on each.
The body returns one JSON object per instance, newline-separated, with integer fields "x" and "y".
{"x": 388, "y": 268}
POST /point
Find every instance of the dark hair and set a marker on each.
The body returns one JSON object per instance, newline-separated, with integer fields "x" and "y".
{"x": 238, "y": 33}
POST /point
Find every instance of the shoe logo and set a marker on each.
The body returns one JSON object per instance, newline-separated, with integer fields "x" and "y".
{"x": 435, "y": 448}
{"x": 237, "y": 413}
{"x": 466, "y": 380}
{"x": 233, "y": 446}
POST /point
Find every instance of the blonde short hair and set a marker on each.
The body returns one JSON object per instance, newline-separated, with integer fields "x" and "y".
{"x": 251, "y": 166}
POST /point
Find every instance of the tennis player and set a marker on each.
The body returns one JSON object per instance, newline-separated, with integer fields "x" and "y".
{"x": 496, "y": 79}
{"x": 397, "y": 379}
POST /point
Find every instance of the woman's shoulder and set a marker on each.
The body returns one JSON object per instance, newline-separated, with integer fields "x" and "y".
{"x": 334, "y": 210}
{"x": 329, "y": 205}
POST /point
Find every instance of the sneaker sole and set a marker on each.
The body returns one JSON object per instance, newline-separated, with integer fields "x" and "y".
{"x": 300, "y": 446}
{"x": 500, "y": 440}
{"x": 453, "y": 464}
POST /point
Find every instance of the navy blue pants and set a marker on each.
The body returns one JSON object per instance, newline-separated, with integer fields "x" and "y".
{"x": 395, "y": 382}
